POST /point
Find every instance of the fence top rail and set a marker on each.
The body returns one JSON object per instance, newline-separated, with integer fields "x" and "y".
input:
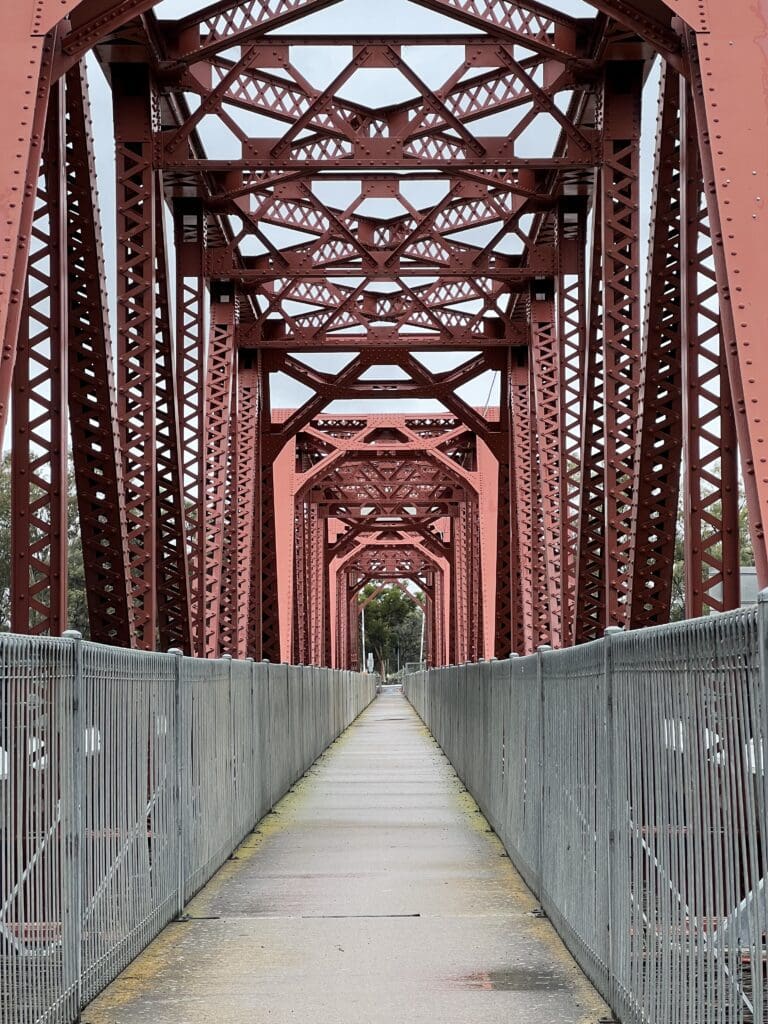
{"x": 717, "y": 624}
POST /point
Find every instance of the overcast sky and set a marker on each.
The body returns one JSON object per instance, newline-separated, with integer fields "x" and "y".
{"x": 375, "y": 87}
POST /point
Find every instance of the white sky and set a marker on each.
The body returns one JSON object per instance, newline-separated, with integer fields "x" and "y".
{"x": 375, "y": 88}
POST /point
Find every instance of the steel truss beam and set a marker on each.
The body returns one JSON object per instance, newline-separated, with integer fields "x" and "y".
{"x": 39, "y": 453}
{"x": 711, "y": 520}
{"x": 622, "y": 352}
{"x": 190, "y": 369}
{"x": 96, "y": 455}
{"x": 590, "y": 553}
{"x": 547, "y": 379}
{"x": 179, "y": 524}
{"x": 263, "y": 605}
{"x": 173, "y": 586}
{"x": 136, "y": 340}
{"x": 660, "y": 426}
{"x": 218, "y": 403}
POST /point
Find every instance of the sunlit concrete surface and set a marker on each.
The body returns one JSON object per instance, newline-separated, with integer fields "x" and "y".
{"x": 375, "y": 892}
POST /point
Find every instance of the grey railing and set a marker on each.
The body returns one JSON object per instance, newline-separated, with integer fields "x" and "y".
{"x": 626, "y": 779}
{"x": 126, "y": 780}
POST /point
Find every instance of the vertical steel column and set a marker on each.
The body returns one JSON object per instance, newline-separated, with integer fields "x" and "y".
{"x": 316, "y": 550}
{"x": 96, "y": 457}
{"x": 255, "y": 589}
{"x": 218, "y": 401}
{"x": 710, "y": 486}
{"x": 541, "y": 596}
{"x": 264, "y": 616}
{"x": 39, "y": 419}
{"x": 270, "y": 617}
{"x": 732, "y": 116}
{"x": 461, "y": 583}
{"x": 505, "y": 565}
{"x": 590, "y": 600}
{"x": 134, "y": 112}
{"x": 475, "y": 582}
{"x": 301, "y": 600}
{"x": 308, "y": 601}
{"x": 508, "y": 609}
{"x": 25, "y": 79}
{"x": 434, "y": 641}
{"x": 547, "y": 374}
{"x": 572, "y": 303}
{"x": 660, "y": 417}
{"x": 228, "y": 605}
{"x": 525, "y": 505}
{"x": 247, "y": 472}
{"x": 622, "y": 104}
{"x": 453, "y": 640}
{"x": 191, "y": 323}
{"x": 741, "y": 375}
{"x": 342, "y": 624}
{"x": 353, "y": 630}
{"x": 327, "y": 630}
{"x": 173, "y": 603}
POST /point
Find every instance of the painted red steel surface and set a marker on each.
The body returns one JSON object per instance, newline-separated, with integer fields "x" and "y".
{"x": 212, "y": 521}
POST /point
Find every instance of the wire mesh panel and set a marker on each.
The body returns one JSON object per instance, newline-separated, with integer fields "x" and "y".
{"x": 627, "y": 780}
{"x": 520, "y": 800}
{"x": 688, "y": 889}
{"x": 39, "y": 924}
{"x": 245, "y": 767}
{"x": 261, "y": 727}
{"x": 129, "y": 838}
{"x": 576, "y": 797}
{"x": 126, "y": 779}
{"x": 206, "y": 752}
{"x": 279, "y": 733}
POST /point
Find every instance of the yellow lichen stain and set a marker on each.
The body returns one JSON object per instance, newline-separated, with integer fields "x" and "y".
{"x": 539, "y": 928}
{"x": 139, "y": 976}
{"x": 159, "y": 956}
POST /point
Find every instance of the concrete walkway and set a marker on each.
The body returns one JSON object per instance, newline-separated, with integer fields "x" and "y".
{"x": 374, "y": 894}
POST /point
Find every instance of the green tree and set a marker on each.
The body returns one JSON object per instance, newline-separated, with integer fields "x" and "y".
{"x": 392, "y": 628}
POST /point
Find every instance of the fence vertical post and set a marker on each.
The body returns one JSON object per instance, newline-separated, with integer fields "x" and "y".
{"x": 72, "y": 916}
{"x": 268, "y": 756}
{"x": 227, "y": 659}
{"x": 179, "y": 792}
{"x": 541, "y": 651}
{"x": 254, "y": 815}
{"x": 609, "y": 801}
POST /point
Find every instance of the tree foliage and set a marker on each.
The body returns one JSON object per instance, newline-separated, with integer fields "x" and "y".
{"x": 393, "y": 627}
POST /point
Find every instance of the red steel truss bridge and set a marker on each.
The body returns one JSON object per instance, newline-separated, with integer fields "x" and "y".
{"x": 462, "y": 298}
{"x": 448, "y": 203}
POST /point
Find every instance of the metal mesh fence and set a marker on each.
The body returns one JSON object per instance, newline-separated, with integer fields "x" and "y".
{"x": 126, "y": 780}
{"x": 626, "y": 779}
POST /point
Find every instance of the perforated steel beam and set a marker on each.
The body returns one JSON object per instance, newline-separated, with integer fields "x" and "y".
{"x": 96, "y": 455}
{"x": 39, "y": 446}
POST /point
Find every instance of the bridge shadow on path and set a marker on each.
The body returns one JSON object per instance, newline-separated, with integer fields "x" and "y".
{"x": 375, "y": 892}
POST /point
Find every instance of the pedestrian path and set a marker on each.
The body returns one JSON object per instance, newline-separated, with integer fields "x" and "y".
{"x": 374, "y": 894}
